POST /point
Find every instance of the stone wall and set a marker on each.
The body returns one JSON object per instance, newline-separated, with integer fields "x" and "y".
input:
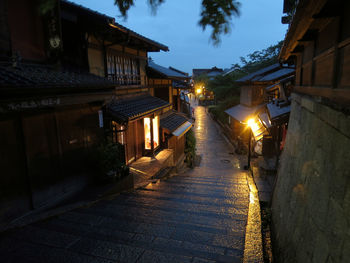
{"x": 311, "y": 201}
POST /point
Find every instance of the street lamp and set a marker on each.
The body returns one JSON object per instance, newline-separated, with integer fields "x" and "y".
{"x": 257, "y": 129}
{"x": 250, "y": 123}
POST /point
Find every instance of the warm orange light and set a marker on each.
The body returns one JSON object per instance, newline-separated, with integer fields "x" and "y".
{"x": 147, "y": 129}
{"x": 257, "y": 128}
{"x": 253, "y": 125}
{"x": 199, "y": 90}
{"x": 156, "y": 132}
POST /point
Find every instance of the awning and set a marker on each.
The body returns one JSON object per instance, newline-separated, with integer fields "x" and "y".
{"x": 179, "y": 132}
{"x": 278, "y": 114}
{"x": 243, "y": 113}
{"x": 175, "y": 123}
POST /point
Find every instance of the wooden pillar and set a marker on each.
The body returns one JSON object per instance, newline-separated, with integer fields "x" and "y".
{"x": 152, "y": 143}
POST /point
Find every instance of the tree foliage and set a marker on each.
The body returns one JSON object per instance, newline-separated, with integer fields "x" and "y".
{"x": 190, "y": 148}
{"x": 216, "y": 14}
{"x": 227, "y": 91}
{"x": 259, "y": 59}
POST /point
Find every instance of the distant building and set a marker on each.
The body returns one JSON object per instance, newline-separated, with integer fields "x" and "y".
{"x": 254, "y": 96}
{"x": 211, "y": 73}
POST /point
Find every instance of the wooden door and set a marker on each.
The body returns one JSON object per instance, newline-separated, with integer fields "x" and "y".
{"x": 15, "y": 192}
{"x": 42, "y": 156}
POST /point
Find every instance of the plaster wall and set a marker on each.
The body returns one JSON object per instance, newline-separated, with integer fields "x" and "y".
{"x": 96, "y": 63}
{"x": 311, "y": 201}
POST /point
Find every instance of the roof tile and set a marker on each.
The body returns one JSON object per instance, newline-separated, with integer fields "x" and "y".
{"x": 173, "y": 121}
{"x": 132, "y": 107}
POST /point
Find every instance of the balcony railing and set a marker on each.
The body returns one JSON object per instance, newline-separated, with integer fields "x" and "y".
{"x": 125, "y": 79}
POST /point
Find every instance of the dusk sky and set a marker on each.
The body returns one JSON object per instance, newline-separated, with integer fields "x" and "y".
{"x": 176, "y": 25}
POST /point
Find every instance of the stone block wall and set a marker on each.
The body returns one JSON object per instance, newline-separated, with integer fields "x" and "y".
{"x": 311, "y": 200}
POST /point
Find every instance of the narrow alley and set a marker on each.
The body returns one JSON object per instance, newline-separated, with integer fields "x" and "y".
{"x": 199, "y": 216}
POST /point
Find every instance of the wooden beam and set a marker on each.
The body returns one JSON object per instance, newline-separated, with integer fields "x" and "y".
{"x": 302, "y": 21}
{"x": 298, "y": 49}
{"x": 339, "y": 96}
{"x": 332, "y": 8}
{"x": 309, "y": 35}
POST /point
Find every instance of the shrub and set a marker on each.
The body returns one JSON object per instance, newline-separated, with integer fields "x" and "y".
{"x": 108, "y": 160}
{"x": 190, "y": 148}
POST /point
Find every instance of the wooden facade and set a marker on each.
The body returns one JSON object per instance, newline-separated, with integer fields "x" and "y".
{"x": 120, "y": 55}
{"x": 254, "y": 95}
{"x": 320, "y": 48}
{"x": 167, "y": 83}
{"x": 178, "y": 146}
{"x": 58, "y": 71}
{"x": 49, "y": 114}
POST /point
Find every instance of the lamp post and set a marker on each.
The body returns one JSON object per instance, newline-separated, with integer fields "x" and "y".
{"x": 249, "y": 142}
{"x": 252, "y": 126}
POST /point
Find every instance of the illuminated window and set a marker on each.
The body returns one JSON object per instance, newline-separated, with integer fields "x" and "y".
{"x": 118, "y": 133}
{"x": 147, "y": 129}
{"x": 156, "y": 131}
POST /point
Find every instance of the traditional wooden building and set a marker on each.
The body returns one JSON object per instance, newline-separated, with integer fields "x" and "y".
{"x": 68, "y": 75}
{"x": 312, "y": 192}
{"x": 209, "y": 72}
{"x": 49, "y": 113}
{"x": 121, "y": 55}
{"x": 135, "y": 123}
{"x": 254, "y": 96}
{"x": 167, "y": 83}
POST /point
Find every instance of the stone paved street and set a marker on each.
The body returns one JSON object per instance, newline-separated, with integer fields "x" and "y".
{"x": 199, "y": 216}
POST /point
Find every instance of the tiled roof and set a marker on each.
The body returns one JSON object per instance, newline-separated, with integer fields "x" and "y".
{"x": 177, "y": 70}
{"x": 198, "y": 72}
{"x": 165, "y": 71}
{"x": 116, "y": 25}
{"x": 276, "y": 111}
{"x": 181, "y": 84}
{"x": 173, "y": 121}
{"x": 260, "y": 72}
{"x": 276, "y": 75}
{"x": 270, "y": 73}
{"x": 214, "y": 71}
{"x": 133, "y": 107}
{"x": 44, "y": 76}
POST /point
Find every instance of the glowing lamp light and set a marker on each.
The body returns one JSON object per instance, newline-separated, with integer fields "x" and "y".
{"x": 257, "y": 129}
{"x": 199, "y": 90}
{"x": 253, "y": 125}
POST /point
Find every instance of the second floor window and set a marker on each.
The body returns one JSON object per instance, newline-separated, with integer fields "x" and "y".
{"x": 123, "y": 70}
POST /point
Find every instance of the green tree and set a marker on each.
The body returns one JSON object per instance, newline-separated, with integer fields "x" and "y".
{"x": 259, "y": 59}
{"x": 227, "y": 91}
{"x": 216, "y": 14}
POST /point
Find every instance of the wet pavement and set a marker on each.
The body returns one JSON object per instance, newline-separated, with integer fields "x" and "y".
{"x": 198, "y": 216}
